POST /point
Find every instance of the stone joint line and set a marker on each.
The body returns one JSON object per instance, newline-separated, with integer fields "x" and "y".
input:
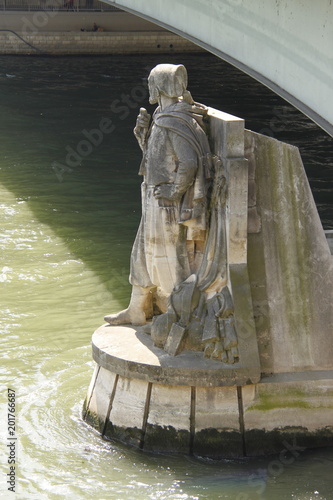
{"x": 113, "y": 393}
{"x": 91, "y": 394}
{"x": 241, "y": 417}
{"x": 145, "y": 415}
{"x": 147, "y": 409}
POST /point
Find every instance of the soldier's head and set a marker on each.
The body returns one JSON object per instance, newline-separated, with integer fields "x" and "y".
{"x": 169, "y": 80}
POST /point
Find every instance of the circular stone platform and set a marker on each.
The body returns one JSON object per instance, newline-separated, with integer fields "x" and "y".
{"x": 142, "y": 396}
{"x": 130, "y": 352}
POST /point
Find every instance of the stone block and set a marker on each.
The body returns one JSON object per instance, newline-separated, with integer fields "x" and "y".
{"x": 217, "y": 427}
{"x": 126, "y": 416}
{"x": 99, "y": 395}
{"x": 295, "y": 269}
{"x": 237, "y": 208}
{"x": 295, "y": 411}
{"x": 168, "y": 424}
{"x": 231, "y": 141}
{"x": 216, "y": 407}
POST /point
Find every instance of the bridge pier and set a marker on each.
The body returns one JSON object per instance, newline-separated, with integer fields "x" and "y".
{"x": 280, "y": 392}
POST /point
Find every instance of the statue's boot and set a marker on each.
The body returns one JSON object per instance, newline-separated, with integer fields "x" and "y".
{"x": 140, "y": 307}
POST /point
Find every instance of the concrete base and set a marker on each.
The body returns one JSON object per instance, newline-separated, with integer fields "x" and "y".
{"x": 141, "y": 396}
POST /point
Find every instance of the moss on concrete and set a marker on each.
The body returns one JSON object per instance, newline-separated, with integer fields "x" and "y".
{"x": 291, "y": 440}
{"x": 93, "y": 419}
{"x": 288, "y": 397}
{"x": 166, "y": 439}
{"x": 128, "y": 435}
{"x": 271, "y": 405}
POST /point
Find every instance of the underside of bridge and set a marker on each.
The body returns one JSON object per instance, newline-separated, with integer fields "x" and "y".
{"x": 284, "y": 44}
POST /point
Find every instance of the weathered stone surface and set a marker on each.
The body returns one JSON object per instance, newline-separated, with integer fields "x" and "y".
{"x": 290, "y": 265}
{"x": 170, "y": 405}
{"x": 216, "y": 408}
{"x": 217, "y": 444}
{"x": 128, "y": 404}
{"x": 228, "y": 140}
{"x": 129, "y": 352}
{"x": 126, "y": 416}
{"x": 253, "y": 220}
{"x": 217, "y": 426}
{"x": 277, "y": 405}
{"x": 237, "y": 211}
{"x": 283, "y": 414}
{"x": 166, "y": 439}
{"x": 99, "y": 394}
{"x": 168, "y": 425}
{"x": 287, "y": 408}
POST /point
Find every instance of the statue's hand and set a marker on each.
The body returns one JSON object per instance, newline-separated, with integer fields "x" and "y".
{"x": 168, "y": 192}
{"x": 141, "y": 127}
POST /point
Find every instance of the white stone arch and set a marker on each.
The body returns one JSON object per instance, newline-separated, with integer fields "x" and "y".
{"x": 284, "y": 44}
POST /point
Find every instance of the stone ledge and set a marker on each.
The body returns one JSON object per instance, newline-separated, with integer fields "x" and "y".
{"x": 56, "y": 43}
{"x": 128, "y": 351}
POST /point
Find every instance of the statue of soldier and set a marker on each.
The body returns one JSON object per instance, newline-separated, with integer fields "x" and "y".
{"x": 178, "y": 262}
{"x": 176, "y": 158}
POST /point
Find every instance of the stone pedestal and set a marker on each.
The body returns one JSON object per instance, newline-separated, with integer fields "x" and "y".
{"x": 142, "y": 396}
{"x": 279, "y": 397}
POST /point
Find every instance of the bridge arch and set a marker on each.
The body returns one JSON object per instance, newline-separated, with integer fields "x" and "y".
{"x": 284, "y": 44}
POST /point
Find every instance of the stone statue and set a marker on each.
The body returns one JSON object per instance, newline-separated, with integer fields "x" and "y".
{"x": 232, "y": 280}
{"x": 178, "y": 266}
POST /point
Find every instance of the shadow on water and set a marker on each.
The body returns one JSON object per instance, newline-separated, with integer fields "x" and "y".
{"x": 94, "y": 205}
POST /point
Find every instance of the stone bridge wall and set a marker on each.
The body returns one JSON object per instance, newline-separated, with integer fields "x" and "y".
{"x": 71, "y": 43}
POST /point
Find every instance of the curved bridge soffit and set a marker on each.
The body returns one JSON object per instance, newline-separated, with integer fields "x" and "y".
{"x": 286, "y": 45}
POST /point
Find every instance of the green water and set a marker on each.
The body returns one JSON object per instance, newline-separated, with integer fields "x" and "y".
{"x": 65, "y": 243}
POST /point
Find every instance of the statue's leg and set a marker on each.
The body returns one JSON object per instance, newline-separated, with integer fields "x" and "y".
{"x": 139, "y": 309}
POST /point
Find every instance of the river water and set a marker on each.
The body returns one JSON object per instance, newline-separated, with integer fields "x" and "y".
{"x": 69, "y": 213}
